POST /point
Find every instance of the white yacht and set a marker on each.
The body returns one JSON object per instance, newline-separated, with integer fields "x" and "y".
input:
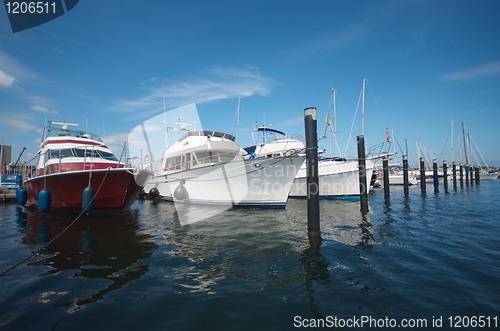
{"x": 208, "y": 167}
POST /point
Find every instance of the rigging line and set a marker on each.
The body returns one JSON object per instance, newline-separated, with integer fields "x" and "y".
{"x": 352, "y": 125}
{"x": 444, "y": 146}
{"x": 38, "y": 250}
{"x": 396, "y": 139}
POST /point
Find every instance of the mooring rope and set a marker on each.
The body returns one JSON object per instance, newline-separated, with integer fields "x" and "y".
{"x": 38, "y": 250}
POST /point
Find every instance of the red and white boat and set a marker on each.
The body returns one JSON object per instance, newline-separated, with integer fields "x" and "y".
{"x": 71, "y": 160}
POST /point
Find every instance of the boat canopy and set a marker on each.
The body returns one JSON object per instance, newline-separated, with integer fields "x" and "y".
{"x": 264, "y": 129}
{"x": 65, "y": 130}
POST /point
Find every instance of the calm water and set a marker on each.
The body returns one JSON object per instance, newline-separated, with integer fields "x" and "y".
{"x": 425, "y": 257}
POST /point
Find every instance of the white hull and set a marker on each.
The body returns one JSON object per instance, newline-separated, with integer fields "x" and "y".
{"x": 488, "y": 175}
{"x": 397, "y": 179}
{"x": 262, "y": 182}
{"x": 337, "y": 179}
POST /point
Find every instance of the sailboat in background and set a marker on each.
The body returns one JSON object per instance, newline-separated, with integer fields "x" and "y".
{"x": 472, "y": 151}
{"x": 338, "y": 177}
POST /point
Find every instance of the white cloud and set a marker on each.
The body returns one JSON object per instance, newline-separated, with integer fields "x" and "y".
{"x": 220, "y": 83}
{"x": 20, "y": 71}
{"x": 43, "y": 109}
{"x": 488, "y": 69}
{"x": 20, "y": 124}
{"x": 6, "y": 80}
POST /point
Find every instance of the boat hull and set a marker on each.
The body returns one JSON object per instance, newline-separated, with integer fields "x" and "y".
{"x": 337, "y": 180}
{"x": 115, "y": 189}
{"x": 261, "y": 183}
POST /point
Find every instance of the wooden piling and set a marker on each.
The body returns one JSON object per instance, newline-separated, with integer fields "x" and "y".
{"x": 385, "y": 169}
{"x": 363, "y": 189}
{"x": 477, "y": 175}
{"x": 435, "y": 175}
{"x": 454, "y": 175}
{"x": 406, "y": 183}
{"x": 422, "y": 175}
{"x": 466, "y": 175}
{"x": 471, "y": 169}
{"x": 461, "y": 175}
{"x": 310, "y": 121}
{"x": 445, "y": 176}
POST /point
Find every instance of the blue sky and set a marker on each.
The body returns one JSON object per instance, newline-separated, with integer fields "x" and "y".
{"x": 114, "y": 62}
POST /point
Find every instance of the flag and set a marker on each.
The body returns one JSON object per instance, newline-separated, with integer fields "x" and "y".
{"x": 328, "y": 122}
{"x": 387, "y": 137}
{"x": 147, "y": 158}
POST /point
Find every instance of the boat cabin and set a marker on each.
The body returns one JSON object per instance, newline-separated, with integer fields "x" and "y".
{"x": 200, "y": 149}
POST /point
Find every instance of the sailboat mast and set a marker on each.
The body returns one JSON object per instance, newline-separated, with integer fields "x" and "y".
{"x": 363, "y": 108}
{"x": 334, "y": 91}
{"x": 165, "y": 129}
{"x": 452, "y": 150}
{"x": 465, "y": 145}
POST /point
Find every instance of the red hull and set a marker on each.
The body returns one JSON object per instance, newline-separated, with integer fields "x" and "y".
{"x": 115, "y": 190}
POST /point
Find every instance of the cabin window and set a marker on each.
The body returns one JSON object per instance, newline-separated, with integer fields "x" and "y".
{"x": 205, "y": 157}
{"x": 108, "y": 156}
{"x": 54, "y": 154}
{"x": 66, "y": 153}
{"x": 174, "y": 163}
{"x": 87, "y": 152}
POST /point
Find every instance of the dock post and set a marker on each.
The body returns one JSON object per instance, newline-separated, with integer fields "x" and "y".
{"x": 385, "y": 168}
{"x": 477, "y": 175}
{"x": 363, "y": 189}
{"x": 471, "y": 175}
{"x": 435, "y": 175}
{"x": 422, "y": 175}
{"x": 466, "y": 175}
{"x": 310, "y": 121}
{"x": 445, "y": 176}
{"x": 405, "y": 176}
{"x": 454, "y": 175}
{"x": 461, "y": 175}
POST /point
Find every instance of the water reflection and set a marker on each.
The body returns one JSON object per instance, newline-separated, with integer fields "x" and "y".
{"x": 105, "y": 248}
{"x": 316, "y": 270}
{"x": 254, "y": 245}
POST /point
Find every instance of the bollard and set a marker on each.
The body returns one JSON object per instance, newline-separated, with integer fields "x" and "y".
{"x": 363, "y": 189}
{"x": 405, "y": 176}
{"x": 477, "y": 175}
{"x": 461, "y": 175}
{"x": 435, "y": 175}
{"x": 422, "y": 175}
{"x": 445, "y": 176}
{"x": 312, "y": 169}
{"x": 385, "y": 168}
{"x": 454, "y": 175}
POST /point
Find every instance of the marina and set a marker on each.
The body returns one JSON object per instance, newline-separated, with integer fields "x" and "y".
{"x": 423, "y": 257}
{"x": 158, "y": 173}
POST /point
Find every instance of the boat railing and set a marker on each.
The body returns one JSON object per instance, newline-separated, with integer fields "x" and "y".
{"x": 207, "y": 133}
{"x": 380, "y": 148}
